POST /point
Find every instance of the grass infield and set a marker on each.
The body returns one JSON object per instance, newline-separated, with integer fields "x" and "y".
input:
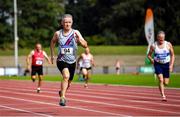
{"x": 96, "y": 50}
{"x": 123, "y": 79}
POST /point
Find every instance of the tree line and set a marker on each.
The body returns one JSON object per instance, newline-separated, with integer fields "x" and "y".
{"x": 101, "y": 22}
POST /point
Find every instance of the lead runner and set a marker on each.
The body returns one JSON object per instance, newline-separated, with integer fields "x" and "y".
{"x": 67, "y": 39}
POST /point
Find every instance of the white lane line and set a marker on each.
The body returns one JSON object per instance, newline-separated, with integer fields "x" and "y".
{"x": 95, "y": 95}
{"x": 102, "y": 103}
{"x": 130, "y": 91}
{"x": 148, "y": 93}
{"x": 72, "y": 107}
{"x": 131, "y": 94}
{"x": 22, "y": 110}
{"x": 128, "y": 100}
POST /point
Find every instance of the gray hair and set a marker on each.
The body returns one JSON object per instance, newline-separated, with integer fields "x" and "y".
{"x": 160, "y": 32}
{"x": 66, "y": 15}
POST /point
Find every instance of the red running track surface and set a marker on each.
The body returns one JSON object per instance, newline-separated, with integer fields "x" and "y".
{"x": 19, "y": 98}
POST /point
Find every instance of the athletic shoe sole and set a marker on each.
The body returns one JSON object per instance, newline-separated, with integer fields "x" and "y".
{"x": 38, "y": 91}
{"x": 164, "y": 99}
{"x": 62, "y": 102}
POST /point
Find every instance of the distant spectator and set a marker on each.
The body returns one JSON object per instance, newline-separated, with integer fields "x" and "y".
{"x": 118, "y": 65}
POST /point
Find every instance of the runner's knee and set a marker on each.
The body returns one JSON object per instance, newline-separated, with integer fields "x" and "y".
{"x": 33, "y": 77}
{"x": 166, "y": 83}
{"x": 66, "y": 78}
{"x": 161, "y": 80}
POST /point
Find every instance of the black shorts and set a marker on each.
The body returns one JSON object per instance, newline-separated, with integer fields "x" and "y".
{"x": 36, "y": 69}
{"x": 89, "y": 68}
{"x": 117, "y": 68}
{"x": 71, "y": 67}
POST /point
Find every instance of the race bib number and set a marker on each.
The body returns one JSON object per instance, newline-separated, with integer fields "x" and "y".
{"x": 39, "y": 62}
{"x": 66, "y": 50}
{"x": 164, "y": 61}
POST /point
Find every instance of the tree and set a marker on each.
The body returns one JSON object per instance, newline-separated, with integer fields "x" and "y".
{"x": 37, "y": 20}
{"x": 117, "y": 22}
{"x": 167, "y": 18}
{"x": 6, "y": 29}
{"x": 101, "y": 22}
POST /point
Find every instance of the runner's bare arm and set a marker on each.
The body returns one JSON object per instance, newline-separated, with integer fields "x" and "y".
{"x": 80, "y": 39}
{"x": 92, "y": 60}
{"x": 46, "y": 56}
{"x": 78, "y": 60}
{"x": 28, "y": 59}
{"x": 172, "y": 57}
{"x": 52, "y": 45}
{"x": 151, "y": 50}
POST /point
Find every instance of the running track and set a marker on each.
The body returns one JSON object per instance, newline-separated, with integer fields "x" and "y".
{"x": 19, "y": 98}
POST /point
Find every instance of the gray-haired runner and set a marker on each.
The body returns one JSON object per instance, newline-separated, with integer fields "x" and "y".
{"x": 67, "y": 39}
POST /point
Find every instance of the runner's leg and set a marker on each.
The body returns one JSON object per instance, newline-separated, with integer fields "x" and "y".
{"x": 64, "y": 83}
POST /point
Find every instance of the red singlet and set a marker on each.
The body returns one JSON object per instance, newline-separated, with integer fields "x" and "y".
{"x": 37, "y": 58}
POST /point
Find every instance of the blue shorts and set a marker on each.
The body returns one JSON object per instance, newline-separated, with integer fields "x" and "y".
{"x": 162, "y": 69}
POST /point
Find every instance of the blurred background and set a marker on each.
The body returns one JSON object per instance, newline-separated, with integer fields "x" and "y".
{"x": 114, "y": 29}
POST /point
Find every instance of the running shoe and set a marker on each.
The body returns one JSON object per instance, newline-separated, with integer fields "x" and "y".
{"x": 38, "y": 90}
{"x": 164, "y": 98}
{"x": 62, "y": 101}
{"x": 85, "y": 86}
{"x": 33, "y": 80}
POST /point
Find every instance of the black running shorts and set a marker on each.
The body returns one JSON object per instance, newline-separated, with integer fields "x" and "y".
{"x": 36, "y": 69}
{"x": 89, "y": 68}
{"x": 71, "y": 67}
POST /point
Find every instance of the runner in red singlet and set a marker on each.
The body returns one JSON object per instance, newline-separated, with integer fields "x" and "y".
{"x": 37, "y": 55}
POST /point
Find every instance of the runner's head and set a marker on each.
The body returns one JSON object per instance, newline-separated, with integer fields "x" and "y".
{"x": 38, "y": 47}
{"x": 161, "y": 37}
{"x": 67, "y": 21}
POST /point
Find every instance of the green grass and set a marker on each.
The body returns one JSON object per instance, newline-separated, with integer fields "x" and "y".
{"x": 123, "y": 79}
{"x": 97, "y": 50}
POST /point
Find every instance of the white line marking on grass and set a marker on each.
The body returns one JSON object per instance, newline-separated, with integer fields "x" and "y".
{"x": 102, "y": 103}
{"x": 22, "y": 110}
